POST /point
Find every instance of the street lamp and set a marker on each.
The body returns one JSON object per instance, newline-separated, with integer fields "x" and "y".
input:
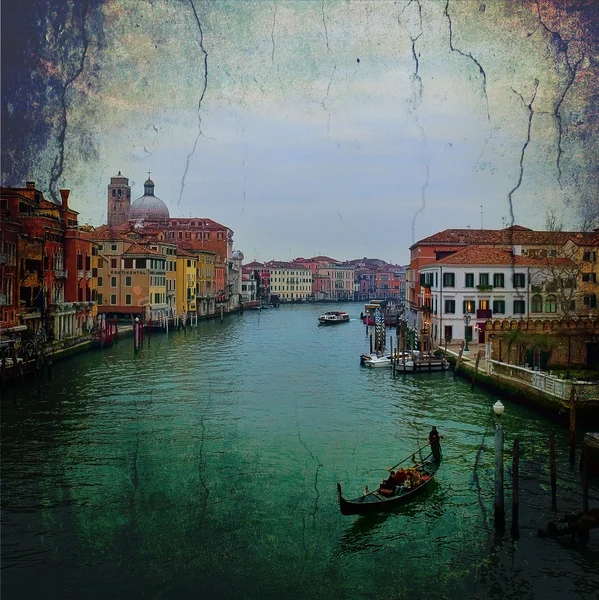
{"x": 467, "y": 318}
{"x": 498, "y": 408}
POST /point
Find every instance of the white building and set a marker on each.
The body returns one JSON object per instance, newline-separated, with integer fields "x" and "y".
{"x": 461, "y": 291}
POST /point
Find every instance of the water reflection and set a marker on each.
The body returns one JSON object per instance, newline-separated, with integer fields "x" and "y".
{"x": 198, "y": 467}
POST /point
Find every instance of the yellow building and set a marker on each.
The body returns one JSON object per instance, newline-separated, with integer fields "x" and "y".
{"x": 131, "y": 277}
{"x": 205, "y": 282}
{"x": 186, "y": 282}
{"x": 289, "y": 281}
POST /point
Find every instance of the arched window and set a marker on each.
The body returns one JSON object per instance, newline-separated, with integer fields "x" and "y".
{"x": 536, "y": 304}
{"x": 551, "y": 304}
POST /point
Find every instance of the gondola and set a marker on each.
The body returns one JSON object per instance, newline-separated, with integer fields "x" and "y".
{"x": 381, "y": 499}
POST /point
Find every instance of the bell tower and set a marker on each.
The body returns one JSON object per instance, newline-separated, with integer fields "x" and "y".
{"x": 119, "y": 200}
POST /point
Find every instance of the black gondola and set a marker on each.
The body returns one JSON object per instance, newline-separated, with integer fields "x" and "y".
{"x": 381, "y": 499}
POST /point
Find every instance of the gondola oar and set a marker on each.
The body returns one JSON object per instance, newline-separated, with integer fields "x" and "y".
{"x": 411, "y": 456}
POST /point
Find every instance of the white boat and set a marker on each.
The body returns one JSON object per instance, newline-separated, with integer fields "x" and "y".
{"x": 372, "y": 360}
{"x": 332, "y": 317}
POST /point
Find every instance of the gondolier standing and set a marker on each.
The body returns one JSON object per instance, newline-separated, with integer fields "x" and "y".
{"x": 434, "y": 439}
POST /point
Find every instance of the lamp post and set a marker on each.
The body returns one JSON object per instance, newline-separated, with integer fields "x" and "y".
{"x": 466, "y": 322}
{"x": 498, "y": 409}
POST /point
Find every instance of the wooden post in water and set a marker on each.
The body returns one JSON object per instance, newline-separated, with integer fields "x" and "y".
{"x": 371, "y": 342}
{"x": 553, "y": 470}
{"x": 585, "y": 478}
{"x": 515, "y": 487}
{"x": 221, "y": 313}
{"x": 478, "y": 355}
{"x": 499, "y": 496}
{"x": 457, "y": 364}
{"x": 572, "y": 423}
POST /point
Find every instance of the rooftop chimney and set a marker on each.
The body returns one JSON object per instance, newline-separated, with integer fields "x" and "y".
{"x": 64, "y": 194}
{"x": 30, "y": 185}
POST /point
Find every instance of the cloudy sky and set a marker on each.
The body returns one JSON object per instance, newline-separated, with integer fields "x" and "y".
{"x": 345, "y": 128}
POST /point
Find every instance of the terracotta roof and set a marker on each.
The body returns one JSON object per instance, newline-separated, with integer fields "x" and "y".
{"x": 105, "y": 233}
{"x": 279, "y": 264}
{"x": 193, "y": 245}
{"x": 205, "y": 224}
{"x": 510, "y": 235}
{"x": 254, "y": 265}
{"x": 181, "y": 252}
{"x": 136, "y": 248}
{"x": 484, "y": 255}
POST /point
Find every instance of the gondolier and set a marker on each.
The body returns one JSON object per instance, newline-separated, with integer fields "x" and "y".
{"x": 434, "y": 439}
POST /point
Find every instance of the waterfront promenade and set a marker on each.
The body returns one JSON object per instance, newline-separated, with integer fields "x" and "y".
{"x": 206, "y": 464}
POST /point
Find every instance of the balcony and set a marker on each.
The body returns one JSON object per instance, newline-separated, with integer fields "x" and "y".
{"x": 80, "y": 274}
{"x": 60, "y": 273}
{"x": 88, "y": 274}
{"x": 3, "y": 300}
{"x": 484, "y": 313}
{"x": 484, "y": 287}
{"x": 3, "y": 258}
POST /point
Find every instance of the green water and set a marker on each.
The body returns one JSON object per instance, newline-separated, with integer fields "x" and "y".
{"x": 206, "y": 466}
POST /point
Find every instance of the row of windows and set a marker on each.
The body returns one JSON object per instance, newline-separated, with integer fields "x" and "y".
{"x": 498, "y": 281}
{"x": 537, "y": 305}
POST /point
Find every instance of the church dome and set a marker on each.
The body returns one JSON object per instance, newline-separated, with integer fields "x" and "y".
{"x": 149, "y": 207}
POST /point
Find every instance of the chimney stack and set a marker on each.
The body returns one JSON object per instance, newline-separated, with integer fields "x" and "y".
{"x": 64, "y": 194}
{"x": 30, "y": 185}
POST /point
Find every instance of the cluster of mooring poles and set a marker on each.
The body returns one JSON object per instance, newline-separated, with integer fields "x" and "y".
{"x": 577, "y": 525}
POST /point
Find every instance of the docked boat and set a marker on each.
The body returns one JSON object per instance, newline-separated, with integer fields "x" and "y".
{"x": 332, "y": 317}
{"x": 372, "y": 360}
{"x": 401, "y": 487}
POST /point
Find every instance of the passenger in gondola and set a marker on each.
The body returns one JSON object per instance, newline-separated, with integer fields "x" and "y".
{"x": 387, "y": 486}
{"x": 434, "y": 439}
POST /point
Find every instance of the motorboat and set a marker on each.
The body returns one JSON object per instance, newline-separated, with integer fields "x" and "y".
{"x": 332, "y": 317}
{"x": 374, "y": 360}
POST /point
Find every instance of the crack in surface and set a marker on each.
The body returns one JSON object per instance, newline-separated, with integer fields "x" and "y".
{"x": 58, "y": 166}
{"x": 326, "y": 31}
{"x": 522, "y": 153}
{"x": 323, "y": 103}
{"x": 199, "y": 112}
{"x": 318, "y": 465}
{"x": 561, "y": 45}
{"x": 418, "y": 90}
{"x": 480, "y": 69}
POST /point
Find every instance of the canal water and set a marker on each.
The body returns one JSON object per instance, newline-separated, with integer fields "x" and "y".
{"x": 205, "y": 466}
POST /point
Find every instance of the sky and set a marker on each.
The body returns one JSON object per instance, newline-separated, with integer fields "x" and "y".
{"x": 343, "y": 128}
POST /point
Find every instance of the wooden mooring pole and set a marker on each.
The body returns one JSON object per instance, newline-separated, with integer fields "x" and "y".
{"x": 478, "y": 355}
{"x": 499, "y": 495}
{"x": 572, "y": 424}
{"x": 585, "y": 478}
{"x": 515, "y": 487}
{"x": 553, "y": 470}
{"x": 371, "y": 342}
{"x": 457, "y": 364}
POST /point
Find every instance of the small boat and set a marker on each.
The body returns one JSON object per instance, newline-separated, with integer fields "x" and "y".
{"x": 415, "y": 480}
{"x": 332, "y": 317}
{"x": 373, "y": 360}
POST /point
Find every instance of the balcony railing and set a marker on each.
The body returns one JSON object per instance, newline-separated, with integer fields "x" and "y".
{"x": 88, "y": 274}
{"x": 3, "y": 300}
{"x": 3, "y": 257}
{"x": 60, "y": 273}
{"x": 484, "y": 313}
{"x": 80, "y": 274}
